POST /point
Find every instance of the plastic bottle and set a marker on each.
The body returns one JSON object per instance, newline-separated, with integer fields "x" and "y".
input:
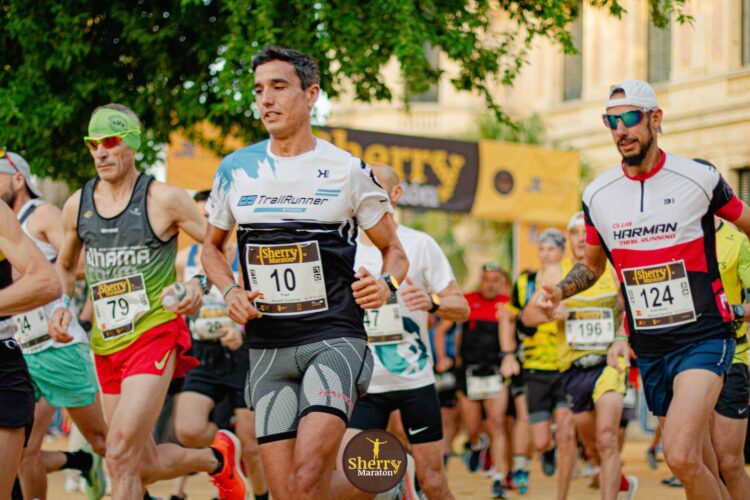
{"x": 174, "y": 297}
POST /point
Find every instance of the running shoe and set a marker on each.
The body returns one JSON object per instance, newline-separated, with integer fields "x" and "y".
{"x": 497, "y": 490}
{"x": 653, "y": 462}
{"x": 672, "y": 481}
{"x": 95, "y": 485}
{"x": 230, "y": 481}
{"x": 549, "y": 462}
{"x": 631, "y": 491}
{"x": 473, "y": 456}
{"x": 520, "y": 480}
{"x": 589, "y": 469}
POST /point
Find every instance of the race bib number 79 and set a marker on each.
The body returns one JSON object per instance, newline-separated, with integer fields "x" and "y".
{"x": 659, "y": 296}
{"x": 118, "y": 304}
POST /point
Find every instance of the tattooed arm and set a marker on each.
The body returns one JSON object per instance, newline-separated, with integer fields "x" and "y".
{"x": 579, "y": 278}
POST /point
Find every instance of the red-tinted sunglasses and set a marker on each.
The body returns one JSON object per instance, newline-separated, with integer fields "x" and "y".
{"x": 4, "y": 155}
{"x": 108, "y": 141}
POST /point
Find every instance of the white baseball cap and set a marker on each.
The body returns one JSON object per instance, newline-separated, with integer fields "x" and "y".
{"x": 576, "y": 220}
{"x": 13, "y": 163}
{"x": 637, "y": 93}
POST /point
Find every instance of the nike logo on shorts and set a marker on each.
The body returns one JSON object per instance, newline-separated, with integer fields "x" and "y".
{"x": 417, "y": 431}
{"x": 742, "y": 411}
{"x": 160, "y": 364}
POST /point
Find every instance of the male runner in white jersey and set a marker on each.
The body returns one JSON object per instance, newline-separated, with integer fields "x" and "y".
{"x": 402, "y": 377}
{"x": 63, "y": 374}
{"x": 299, "y": 202}
{"x": 652, "y": 217}
{"x": 219, "y": 344}
{"x": 129, "y": 223}
{"x": 36, "y": 286}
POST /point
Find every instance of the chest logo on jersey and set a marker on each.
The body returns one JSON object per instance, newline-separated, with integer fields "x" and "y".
{"x": 287, "y": 202}
{"x": 645, "y": 234}
{"x": 117, "y": 257}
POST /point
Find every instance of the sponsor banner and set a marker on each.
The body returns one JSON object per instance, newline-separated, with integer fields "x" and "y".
{"x": 435, "y": 173}
{"x": 527, "y": 183}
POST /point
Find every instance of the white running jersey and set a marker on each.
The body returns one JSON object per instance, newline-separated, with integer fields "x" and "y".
{"x": 297, "y": 226}
{"x": 32, "y": 331}
{"x": 658, "y": 231}
{"x": 402, "y": 353}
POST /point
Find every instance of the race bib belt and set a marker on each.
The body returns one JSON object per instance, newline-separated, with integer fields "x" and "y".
{"x": 385, "y": 325}
{"x": 659, "y": 296}
{"x": 31, "y": 328}
{"x": 289, "y": 278}
{"x": 483, "y": 383}
{"x": 118, "y": 304}
{"x": 590, "y": 328}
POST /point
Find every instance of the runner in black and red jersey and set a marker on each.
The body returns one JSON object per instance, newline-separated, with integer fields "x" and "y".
{"x": 478, "y": 380}
{"x": 652, "y": 217}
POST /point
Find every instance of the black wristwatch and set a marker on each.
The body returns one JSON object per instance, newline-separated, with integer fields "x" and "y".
{"x": 435, "y": 299}
{"x": 739, "y": 311}
{"x": 391, "y": 282}
{"x": 203, "y": 282}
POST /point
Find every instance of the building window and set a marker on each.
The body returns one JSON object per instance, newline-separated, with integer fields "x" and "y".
{"x": 573, "y": 63}
{"x": 745, "y": 32}
{"x": 743, "y": 181}
{"x": 431, "y": 94}
{"x": 659, "y": 52}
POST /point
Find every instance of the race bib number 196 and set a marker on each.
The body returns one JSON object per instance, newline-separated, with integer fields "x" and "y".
{"x": 118, "y": 303}
{"x": 289, "y": 278}
{"x": 590, "y": 328}
{"x": 659, "y": 296}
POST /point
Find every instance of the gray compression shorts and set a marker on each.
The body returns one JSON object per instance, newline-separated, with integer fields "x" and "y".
{"x": 286, "y": 383}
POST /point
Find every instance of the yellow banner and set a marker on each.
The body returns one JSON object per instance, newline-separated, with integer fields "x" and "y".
{"x": 526, "y": 183}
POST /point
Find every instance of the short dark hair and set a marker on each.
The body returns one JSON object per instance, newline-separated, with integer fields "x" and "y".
{"x": 305, "y": 66}
{"x": 202, "y": 195}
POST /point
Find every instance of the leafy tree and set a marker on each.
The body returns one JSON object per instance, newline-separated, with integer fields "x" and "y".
{"x": 180, "y": 63}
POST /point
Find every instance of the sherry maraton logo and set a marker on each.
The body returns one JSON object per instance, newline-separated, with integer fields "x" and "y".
{"x": 374, "y": 461}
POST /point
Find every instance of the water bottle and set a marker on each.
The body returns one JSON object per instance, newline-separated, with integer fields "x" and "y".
{"x": 174, "y": 297}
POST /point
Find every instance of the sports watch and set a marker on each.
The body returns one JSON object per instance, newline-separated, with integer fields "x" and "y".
{"x": 391, "y": 282}
{"x": 739, "y": 311}
{"x": 435, "y": 299}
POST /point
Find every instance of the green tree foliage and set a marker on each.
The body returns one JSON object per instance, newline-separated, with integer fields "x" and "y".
{"x": 179, "y": 63}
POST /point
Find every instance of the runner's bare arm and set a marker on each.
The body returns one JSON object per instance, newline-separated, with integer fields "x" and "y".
{"x": 218, "y": 268}
{"x": 442, "y": 362}
{"x": 46, "y": 221}
{"x": 70, "y": 248}
{"x": 180, "y": 211}
{"x": 181, "y": 262}
{"x": 581, "y": 277}
{"x": 383, "y": 235}
{"x": 743, "y": 221}
{"x": 453, "y": 304}
{"x": 369, "y": 291}
{"x": 507, "y": 331}
{"x": 38, "y": 284}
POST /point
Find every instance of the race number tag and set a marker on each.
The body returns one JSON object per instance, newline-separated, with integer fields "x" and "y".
{"x": 445, "y": 381}
{"x": 118, "y": 304}
{"x": 590, "y": 328}
{"x": 211, "y": 328}
{"x": 482, "y": 385}
{"x": 31, "y": 328}
{"x": 659, "y": 296}
{"x": 288, "y": 277}
{"x": 385, "y": 325}
{"x": 630, "y": 397}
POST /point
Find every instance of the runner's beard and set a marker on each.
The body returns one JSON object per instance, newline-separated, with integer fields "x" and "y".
{"x": 9, "y": 197}
{"x": 636, "y": 159}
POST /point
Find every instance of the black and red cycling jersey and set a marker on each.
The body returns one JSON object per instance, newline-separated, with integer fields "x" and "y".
{"x": 657, "y": 230}
{"x": 480, "y": 342}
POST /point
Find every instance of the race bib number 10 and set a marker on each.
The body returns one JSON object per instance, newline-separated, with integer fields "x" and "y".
{"x": 289, "y": 278}
{"x": 119, "y": 303}
{"x": 659, "y": 296}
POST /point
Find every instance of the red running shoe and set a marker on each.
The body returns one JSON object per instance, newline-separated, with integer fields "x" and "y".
{"x": 230, "y": 480}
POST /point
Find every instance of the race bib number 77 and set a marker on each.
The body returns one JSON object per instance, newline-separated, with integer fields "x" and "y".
{"x": 659, "y": 296}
